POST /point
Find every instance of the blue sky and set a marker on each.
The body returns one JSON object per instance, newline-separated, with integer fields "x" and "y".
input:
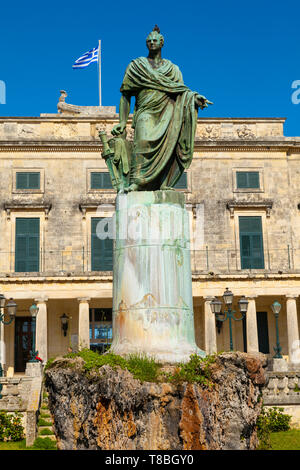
{"x": 243, "y": 56}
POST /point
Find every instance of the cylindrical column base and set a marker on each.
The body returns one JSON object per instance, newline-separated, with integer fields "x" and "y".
{"x": 152, "y": 289}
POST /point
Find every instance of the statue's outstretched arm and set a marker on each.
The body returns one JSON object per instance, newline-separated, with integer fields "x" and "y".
{"x": 123, "y": 114}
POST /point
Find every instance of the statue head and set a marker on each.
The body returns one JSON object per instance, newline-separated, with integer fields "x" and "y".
{"x": 155, "y": 40}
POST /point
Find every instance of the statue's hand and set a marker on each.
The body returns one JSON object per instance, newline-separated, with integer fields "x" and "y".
{"x": 202, "y": 102}
{"x": 118, "y": 129}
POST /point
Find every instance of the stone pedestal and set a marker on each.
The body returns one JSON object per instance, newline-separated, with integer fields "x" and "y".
{"x": 277, "y": 365}
{"x": 34, "y": 369}
{"x": 152, "y": 289}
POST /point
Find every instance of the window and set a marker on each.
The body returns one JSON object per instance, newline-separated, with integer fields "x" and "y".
{"x": 251, "y": 243}
{"x": 102, "y": 250}
{"x": 100, "y": 328}
{"x": 27, "y": 180}
{"x": 247, "y": 179}
{"x": 100, "y": 180}
{"x": 182, "y": 182}
{"x": 27, "y": 245}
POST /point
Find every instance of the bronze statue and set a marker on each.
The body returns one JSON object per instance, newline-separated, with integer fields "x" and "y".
{"x": 164, "y": 122}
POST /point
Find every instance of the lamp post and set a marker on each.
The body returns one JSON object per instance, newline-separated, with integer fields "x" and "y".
{"x": 11, "y": 309}
{"x": 276, "y": 307}
{"x": 33, "y": 311}
{"x": 228, "y": 313}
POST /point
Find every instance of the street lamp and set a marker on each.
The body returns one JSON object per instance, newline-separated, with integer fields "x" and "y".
{"x": 64, "y": 323}
{"x": 11, "y": 310}
{"x": 33, "y": 311}
{"x": 276, "y": 307}
{"x": 216, "y": 308}
{"x": 11, "y": 307}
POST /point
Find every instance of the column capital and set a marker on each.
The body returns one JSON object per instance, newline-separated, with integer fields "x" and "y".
{"x": 291, "y": 296}
{"x": 251, "y": 296}
{"x": 41, "y": 300}
{"x": 83, "y": 299}
{"x": 208, "y": 298}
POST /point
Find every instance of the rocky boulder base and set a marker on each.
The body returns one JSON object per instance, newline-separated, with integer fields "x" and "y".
{"x": 108, "y": 409}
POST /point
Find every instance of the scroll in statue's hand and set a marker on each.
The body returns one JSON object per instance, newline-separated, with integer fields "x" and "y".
{"x": 202, "y": 102}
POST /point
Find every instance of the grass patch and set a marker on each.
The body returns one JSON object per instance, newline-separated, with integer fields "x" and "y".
{"x": 44, "y": 422}
{"x": 46, "y": 432}
{"x": 196, "y": 370}
{"x": 147, "y": 369}
{"x": 285, "y": 440}
{"x": 43, "y": 443}
{"x": 39, "y": 444}
{"x": 142, "y": 367}
{"x": 10, "y": 445}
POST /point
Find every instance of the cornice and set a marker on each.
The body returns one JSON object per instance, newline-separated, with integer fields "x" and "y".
{"x": 57, "y": 117}
{"x": 199, "y": 146}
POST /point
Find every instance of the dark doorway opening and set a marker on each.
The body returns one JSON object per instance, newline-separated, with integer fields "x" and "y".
{"x": 23, "y": 342}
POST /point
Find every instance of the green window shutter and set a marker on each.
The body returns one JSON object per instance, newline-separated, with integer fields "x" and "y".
{"x": 34, "y": 180}
{"x": 247, "y": 179}
{"x": 27, "y": 180}
{"x": 27, "y": 245}
{"x": 102, "y": 250}
{"x": 21, "y": 181}
{"x": 182, "y": 182}
{"x": 253, "y": 179}
{"x": 251, "y": 243}
{"x": 100, "y": 180}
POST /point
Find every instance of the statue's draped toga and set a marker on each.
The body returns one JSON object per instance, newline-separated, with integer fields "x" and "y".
{"x": 164, "y": 120}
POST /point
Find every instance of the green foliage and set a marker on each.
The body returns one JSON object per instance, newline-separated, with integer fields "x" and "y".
{"x": 196, "y": 370}
{"x": 44, "y": 443}
{"x": 142, "y": 367}
{"x": 269, "y": 421}
{"x": 49, "y": 363}
{"x": 11, "y": 428}
{"x": 146, "y": 369}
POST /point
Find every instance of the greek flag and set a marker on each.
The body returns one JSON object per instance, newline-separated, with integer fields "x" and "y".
{"x": 87, "y": 58}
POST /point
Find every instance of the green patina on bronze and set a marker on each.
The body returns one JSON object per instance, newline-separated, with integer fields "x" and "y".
{"x": 164, "y": 122}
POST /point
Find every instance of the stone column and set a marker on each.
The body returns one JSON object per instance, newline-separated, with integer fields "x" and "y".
{"x": 251, "y": 326}
{"x": 41, "y": 333}
{"x": 209, "y": 328}
{"x": 84, "y": 323}
{"x": 292, "y": 324}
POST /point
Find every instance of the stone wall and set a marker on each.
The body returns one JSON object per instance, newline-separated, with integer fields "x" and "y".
{"x": 23, "y": 394}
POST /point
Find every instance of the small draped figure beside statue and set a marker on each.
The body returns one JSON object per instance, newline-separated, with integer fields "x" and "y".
{"x": 164, "y": 123}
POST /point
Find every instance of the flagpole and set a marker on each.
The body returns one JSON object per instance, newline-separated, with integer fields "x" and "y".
{"x": 99, "y": 72}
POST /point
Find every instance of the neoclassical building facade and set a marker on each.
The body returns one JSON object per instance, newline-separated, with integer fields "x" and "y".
{"x": 243, "y": 197}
